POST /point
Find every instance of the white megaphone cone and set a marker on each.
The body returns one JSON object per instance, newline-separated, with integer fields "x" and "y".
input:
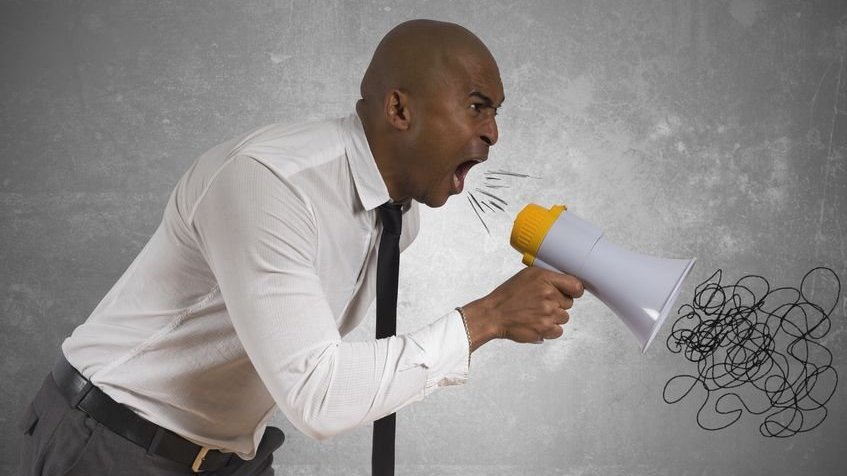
{"x": 639, "y": 289}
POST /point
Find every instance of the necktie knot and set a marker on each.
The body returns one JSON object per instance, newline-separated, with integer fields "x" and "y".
{"x": 391, "y": 216}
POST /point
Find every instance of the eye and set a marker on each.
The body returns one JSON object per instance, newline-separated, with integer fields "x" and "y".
{"x": 479, "y": 107}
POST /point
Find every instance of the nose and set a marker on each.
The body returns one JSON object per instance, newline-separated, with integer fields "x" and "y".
{"x": 488, "y": 132}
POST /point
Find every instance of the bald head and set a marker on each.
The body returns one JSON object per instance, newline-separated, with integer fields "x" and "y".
{"x": 418, "y": 57}
{"x": 429, "y": 100}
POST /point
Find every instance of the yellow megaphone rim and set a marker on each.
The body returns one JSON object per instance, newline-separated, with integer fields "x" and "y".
{"x": 530, "y": 228}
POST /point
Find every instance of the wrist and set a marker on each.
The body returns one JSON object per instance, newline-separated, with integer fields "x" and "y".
{"x": 478, "y": 324}
{"x": 467, "y": 333}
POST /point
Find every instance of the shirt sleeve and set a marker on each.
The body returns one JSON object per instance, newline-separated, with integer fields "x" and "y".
{"x": 258, "y": 234}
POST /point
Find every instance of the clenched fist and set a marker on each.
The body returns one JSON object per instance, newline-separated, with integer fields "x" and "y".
{"x": 530, "y": 306}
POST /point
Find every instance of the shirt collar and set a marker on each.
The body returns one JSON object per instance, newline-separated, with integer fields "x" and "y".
{"x": 369, "y": 183}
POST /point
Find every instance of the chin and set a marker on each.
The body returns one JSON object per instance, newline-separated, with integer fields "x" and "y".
{"x": 435, "y": 202}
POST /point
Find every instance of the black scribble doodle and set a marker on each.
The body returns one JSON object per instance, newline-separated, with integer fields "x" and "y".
{"x": 765, "y": 344}
{"x": 494, "y": 180}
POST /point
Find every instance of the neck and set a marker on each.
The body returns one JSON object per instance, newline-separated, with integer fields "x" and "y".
{"x": 381, "y": 151}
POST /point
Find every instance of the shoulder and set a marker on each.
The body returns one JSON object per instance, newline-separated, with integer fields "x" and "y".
{"x": 291, "y": 148}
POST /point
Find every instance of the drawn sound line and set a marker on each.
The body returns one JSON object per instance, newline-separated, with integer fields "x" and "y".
{"x": 488, "y": 197}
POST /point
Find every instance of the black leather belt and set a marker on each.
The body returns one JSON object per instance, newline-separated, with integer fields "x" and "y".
{"x": 82, "y": 394}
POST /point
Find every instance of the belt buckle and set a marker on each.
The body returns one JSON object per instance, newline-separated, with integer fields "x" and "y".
{"x": 198, "y": 460}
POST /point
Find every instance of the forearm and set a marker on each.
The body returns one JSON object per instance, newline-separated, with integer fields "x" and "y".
{"x": 345, "y": 385}
{"x": 341, "y": 385}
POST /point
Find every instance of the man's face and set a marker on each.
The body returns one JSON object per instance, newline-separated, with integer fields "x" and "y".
{"x": 456, "y": 126}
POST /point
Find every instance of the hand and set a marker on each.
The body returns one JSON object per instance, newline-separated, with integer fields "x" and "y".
{"x": 529, "y": 307}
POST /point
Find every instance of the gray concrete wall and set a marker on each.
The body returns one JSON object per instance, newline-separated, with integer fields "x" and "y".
{"x": 715, "y": 129}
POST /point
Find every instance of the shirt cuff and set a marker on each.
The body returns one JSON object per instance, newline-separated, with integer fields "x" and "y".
{"x": 446, "y": 352}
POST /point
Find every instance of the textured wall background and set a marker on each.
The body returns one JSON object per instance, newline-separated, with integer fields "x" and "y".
{"x": 715, "y": 129}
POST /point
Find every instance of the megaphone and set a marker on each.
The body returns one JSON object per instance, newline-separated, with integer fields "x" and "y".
{"x": 639, "y": 289}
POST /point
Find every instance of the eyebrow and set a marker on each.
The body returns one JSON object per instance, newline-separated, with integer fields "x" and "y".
{"x": 487, "y": 100}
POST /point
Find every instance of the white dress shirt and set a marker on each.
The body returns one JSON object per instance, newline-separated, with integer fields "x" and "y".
{"x": 265, "y": 258}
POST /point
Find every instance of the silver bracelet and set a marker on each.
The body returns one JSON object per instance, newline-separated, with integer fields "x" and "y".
{"x": 467, "y": 333}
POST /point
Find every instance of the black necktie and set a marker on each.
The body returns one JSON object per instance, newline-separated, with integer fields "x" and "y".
{"x": 387, "y": 274}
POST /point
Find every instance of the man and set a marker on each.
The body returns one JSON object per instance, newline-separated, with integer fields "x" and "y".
{"x": 265, "y": 258}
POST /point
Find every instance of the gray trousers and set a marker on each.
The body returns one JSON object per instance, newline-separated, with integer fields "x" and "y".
{"x": 61, "y": 440}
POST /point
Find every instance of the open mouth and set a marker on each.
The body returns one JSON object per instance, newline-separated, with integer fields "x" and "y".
{"x": 461, "y": 173}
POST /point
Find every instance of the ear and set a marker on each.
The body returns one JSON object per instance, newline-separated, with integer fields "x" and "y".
{"x": 397, "y": 110}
